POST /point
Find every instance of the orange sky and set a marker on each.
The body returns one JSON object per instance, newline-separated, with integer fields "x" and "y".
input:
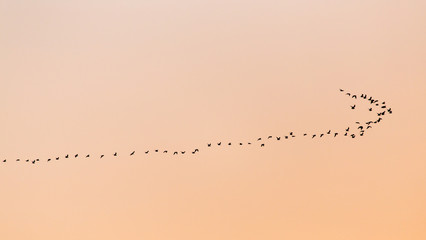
{"x": 104, "y": 76}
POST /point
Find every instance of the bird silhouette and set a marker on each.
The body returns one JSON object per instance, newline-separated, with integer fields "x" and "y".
{"x": 322, "y": 134}
{"x": 115, "y": 154}
{"x": 76, "y": 156}
{"x": 33, "y": 162}
{"x": 175, "y": 153}
{"x": 347, "y": 129}
{"x": 131, "y": 154}
{"x": 369, "y": 127}
{"x": 278, "y": 138}
{"x": 269, "y": 137}
{"x": 87, "y": 155}
{"x": 102, "y": 156}
{"x": 291, "y": 133}
{"x": 241, "y": 144}
{"x": 196, "y": 150}
{"x": 18, "y": 160}
{"x": 335, "y": 134}
{"x": 341, "y": 90}
{"x": 219, "y": 143}
{"x": 27, "y": 160}
{"x": 354, "y": 96}
{"x": 249, "y": 143}
{"x": 286, "y": 137}
{"x": 4, "y": 160}
{"x": 147, "y": 152}
{"x": 348, "y": 94}
{"x": 259, "y": 139}
{"x": 209, "y": 144}
{"x": 57, "y": 158}
{"x": 49, "y": 160}
{"x": 329, "y": 131}
{"x": 314, "y": 135}
{"x": 183, "y": 152}
{"x": 229, "y": 144}
{"x": 353, "y": 107}
{"x": 66, "y": 156}
{"x": 305, "y": 134}
{"x": 165, "y": 151}
{"x": 262, "y": 145}
{"x": 346, "y": 134}
{"x": 370, "y": 109}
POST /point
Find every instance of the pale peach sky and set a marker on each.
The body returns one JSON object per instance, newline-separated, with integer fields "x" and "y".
{"x": 104, "y": 76}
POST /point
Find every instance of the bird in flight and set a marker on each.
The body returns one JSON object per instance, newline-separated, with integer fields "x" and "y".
{"x": 115, "y": 154}
{"x": 131, "y": 154}
{"x": 66, "y": 156}
{"x": 147, "y": 152}
{"x": 219, "y": 143}
{"x": 76, "y": 156}
{"x": 102, "y": 156}
{"x": 175, "y": 153}
{"x": 353, "y": 107}
{"x": 209, "y": 144}
{"x": 262, "y": 145}
{"x": 278, "y": 138}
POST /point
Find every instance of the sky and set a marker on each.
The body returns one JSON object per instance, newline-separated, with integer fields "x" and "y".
{"x": 98, "y": 77}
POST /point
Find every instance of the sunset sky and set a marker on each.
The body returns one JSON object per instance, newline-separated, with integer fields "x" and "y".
{"x": 98, "y": 77}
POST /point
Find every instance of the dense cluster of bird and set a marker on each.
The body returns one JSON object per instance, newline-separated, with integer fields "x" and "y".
{"x": 360, "y": 127}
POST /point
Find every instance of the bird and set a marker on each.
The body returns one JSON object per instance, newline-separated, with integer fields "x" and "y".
{"x": 115, "y": 154}
{"x": 347, "y": 129}
{"x": 314, "y": 135}
{"x": 291, "y": 133}
{"x": 49, "y": 160}
{"x": 329, "y": 131}
{"x": 33, "y": 162}
{"x": 156, "y": 150}
{"x": 4, "y": 160}
{"x": 147, "y": 152}
{"x": 27, "y": 160}
{"x": 131, "y": 154}
{"x": 383, "y": 106}
{"x": 341, "y": 90}
{"x": 322, "y": 134}
{"x": 259, "y": 139}
{"x": 102, "y": 156}
{"x": 370, "y": 109}
{"x": 56, "y": 158}
{"x": 390, "y": 110}
{"x": 269, "y": 137}
{"x": 346, "y": 134}
{"x": 278, "y": 138}
{"x": 353, "y": 135}
{"x": 175, "y": 153}
{"x": 362, "y": 134}
{"x": 354, "y": 96}
{"x": 18, "y": 160}
{"x": 335, "y": 134}
{"x": 193, "y": 152}
{"x": 196, "y": 150}
{"x": 348, "y": 94}
{"x": 165, "y": 151}
{"x": 369, "y": 127}
{"x": 353, "y": 107}
{"x": 66, "y": 156}
{"x": 305, "y": 134}
{"x": 249, "y": 143}
{"x": 229, "y": 144}
{"x": 241, "y": 144}
{"x": 219, "y": 143}
{"x": 262, "y": 145}
{"x": 361, "y": 127}
{"x": 76, "y": 156}
{"x": 286, "y": 137}
{"x": 183, "y": 152}
{"x": 209, "y": 144}
{"x": 357, "y": 122}
{"x": 88, "y": 155}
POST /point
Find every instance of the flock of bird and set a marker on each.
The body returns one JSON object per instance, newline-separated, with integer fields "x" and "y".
{"x": 361, "y": 127}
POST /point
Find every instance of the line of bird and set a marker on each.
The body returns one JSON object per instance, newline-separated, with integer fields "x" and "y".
{"x": 362, "y": 127}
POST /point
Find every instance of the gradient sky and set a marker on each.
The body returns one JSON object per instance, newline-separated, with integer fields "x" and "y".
{"x": 104, "y": 76}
